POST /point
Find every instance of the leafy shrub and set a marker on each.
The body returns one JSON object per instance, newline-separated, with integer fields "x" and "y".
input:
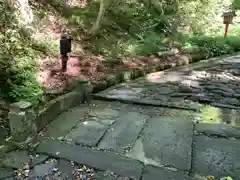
{"x": 214, "y": 46}
{"x": 150, "y": 44}
{"x": 234, "y": 42}
{"x": 17, "y": 62}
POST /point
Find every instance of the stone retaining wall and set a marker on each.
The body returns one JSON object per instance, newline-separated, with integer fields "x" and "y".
{"x": 26, "y": 121}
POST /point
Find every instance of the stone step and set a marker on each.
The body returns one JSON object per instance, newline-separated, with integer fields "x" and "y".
{"x": 150, "y": 102}
{"x": 106, "y": 161}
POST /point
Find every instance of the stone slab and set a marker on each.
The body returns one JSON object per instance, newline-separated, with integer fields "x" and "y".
{"x": 125, "y": 92}
{"x": 216, "y": 157}
{"x": 16, "y": 159}
{"x": 87, "y": 133}
{"x": 165, "y": 141}
{"x": 63, "y": 124}
{"x": 153, "y": 173}
{"x": 103, "y": 115}
{"x": 124, "y": 132}
{"x": 117, "y": 164}
{"x": 222, "y": 130}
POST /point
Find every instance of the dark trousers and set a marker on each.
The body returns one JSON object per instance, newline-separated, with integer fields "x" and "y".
{"x": 64, "y": 58}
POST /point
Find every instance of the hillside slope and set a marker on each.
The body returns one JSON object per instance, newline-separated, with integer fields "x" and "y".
{"x": 128, "y": 31}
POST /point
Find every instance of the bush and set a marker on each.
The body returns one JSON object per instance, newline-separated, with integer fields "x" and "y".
{"x": 150, "y": 44}
{"x": 234, "y": 42}
{"x": 21, "y": 80}
{"x": 19, "y": 76}
{"x": 17, "y": 62}
{"x": 214, "y": 46}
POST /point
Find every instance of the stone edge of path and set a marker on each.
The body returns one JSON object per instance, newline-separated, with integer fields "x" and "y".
{"x": 219, "y": 130}
{"x": 125, "y": 76}
{"x": 155, "y": 103}
{"x": 107, "y": 161}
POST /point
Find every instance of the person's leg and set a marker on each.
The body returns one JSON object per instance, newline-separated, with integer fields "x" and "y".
{"x": 64, "y": 62}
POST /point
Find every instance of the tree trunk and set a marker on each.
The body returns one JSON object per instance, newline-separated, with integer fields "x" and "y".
{"x": 101, "y": 11}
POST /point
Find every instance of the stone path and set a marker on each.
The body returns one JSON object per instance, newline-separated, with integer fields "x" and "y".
{"x": 214, "y": 81}
{"x": 138, "y": 136}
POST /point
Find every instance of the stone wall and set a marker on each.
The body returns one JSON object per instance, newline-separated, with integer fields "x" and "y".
{"x": 26, "y": 120}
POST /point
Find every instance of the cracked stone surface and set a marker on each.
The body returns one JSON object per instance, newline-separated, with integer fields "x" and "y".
{"x": 122, "y": 134}
{"x": 87, "y": 133}
{"x": 59, "y": 128}
{"x": 216, "y": 157}
{"x": 165, "y": 141}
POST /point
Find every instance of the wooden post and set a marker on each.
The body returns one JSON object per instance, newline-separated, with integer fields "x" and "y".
{"x": 226, "y": 30}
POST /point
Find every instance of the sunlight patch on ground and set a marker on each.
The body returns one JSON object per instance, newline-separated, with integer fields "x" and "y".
{"x": 214, "y": 115}
{"x": 155, "y": 77}
{"x": 211, "y": 115}
{"x": 138, "y": 153}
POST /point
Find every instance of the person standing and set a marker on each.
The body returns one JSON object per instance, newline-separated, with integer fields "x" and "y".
{"x": 65, "y": 48}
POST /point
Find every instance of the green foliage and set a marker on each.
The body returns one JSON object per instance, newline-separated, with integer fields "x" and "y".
{"x": 22, "y": 81}
{"x": 236, "y": 4}
{"x": 150, "y": 44}
{"x": 128, "y": 28}
{"x": 47, "y": 47}
{"x": 142, "y": 26}
{"x": 234, "y": 42}
{"x": 213, "y": 46}
{"x": 17, "y": 62}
